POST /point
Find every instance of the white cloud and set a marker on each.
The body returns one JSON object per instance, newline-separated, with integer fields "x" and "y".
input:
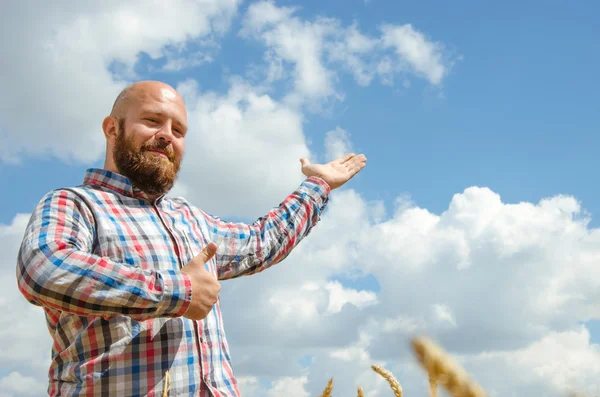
{"x": 404, "y": 325}
{"x": 249, "y": 385}
{"x": 357, "y": 352}
{"x": 284, "y": 386}
{"x": 57, "y": 71}
{"x": 509, "y": 257}
{"x": 565, "y": 360}
{"x": 21, "y": 385}
{"x": 476, "y": 277}
{"x": 559, "y": 363}
{"x": 312, "y": 48}
{"x": 25, "y": 351}
{"x": 266, "y": 13}
{"x": 178, "y": 62}
{"x": 337, "y": 144}
{"x": 340, "y": 296}
{"x": 294, "y": 41}
{"x": 356, "y": 52}
{"x": 443, "y": 315}
{"x": 415, "y": 51}
{"x": 301, "y": 306}
{"x": 288, "y": 386}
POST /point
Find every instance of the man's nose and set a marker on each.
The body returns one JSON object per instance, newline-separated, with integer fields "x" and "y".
{"x": 165, "y": 133}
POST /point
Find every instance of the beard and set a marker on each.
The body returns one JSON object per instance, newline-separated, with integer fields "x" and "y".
{"x": 150, "y": 173}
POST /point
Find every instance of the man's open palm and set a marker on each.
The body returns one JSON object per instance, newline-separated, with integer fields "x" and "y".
{"x": 337, "y": 172}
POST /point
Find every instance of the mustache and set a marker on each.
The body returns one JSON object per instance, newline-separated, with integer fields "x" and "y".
{"x": 162, "y": 146}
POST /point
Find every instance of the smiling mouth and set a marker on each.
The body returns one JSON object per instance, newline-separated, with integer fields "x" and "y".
{"x": 158, "y": 152}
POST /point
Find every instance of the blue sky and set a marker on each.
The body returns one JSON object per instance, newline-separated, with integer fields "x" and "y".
{"x": 516, "y": 111}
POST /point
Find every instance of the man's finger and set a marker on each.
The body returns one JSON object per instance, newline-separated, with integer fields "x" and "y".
{"x": 347, "y": 157}
{"x": 357, "y": 161}
{"x": 354, "y": 170}
{"x": 207, "y": 253}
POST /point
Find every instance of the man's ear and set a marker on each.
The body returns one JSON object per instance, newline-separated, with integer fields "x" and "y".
{"x": 110, "y": 127}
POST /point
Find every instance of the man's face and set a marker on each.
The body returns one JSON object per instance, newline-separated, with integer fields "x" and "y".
{"x": 150, "y": 143}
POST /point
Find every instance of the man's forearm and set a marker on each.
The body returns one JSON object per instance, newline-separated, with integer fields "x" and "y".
{"x": 248, "y": 249}
{"x": 56, "y": 269}
{"x": 73, "y": 281}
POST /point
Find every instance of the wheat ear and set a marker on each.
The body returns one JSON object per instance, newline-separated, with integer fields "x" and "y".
{"x": 167, "y": 385}
{"x": 389, "y": 377}
{"x": 360, "y": 392}
{"x": 327, "y": 391}
{"x": 444, "y": 370}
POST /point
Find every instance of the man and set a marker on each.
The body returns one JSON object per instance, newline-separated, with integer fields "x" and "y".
{"x": 127, "y": 277}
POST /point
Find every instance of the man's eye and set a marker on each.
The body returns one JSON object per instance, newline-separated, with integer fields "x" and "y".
{"x": 152, "y": 120}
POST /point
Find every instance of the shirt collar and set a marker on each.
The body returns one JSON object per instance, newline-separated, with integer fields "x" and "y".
{"x": 115, "y": 182}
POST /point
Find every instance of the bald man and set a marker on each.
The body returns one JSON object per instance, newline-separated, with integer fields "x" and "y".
{"x": 128, "y": 277}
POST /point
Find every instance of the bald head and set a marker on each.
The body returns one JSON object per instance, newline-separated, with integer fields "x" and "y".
{"x": 137, "y": 92}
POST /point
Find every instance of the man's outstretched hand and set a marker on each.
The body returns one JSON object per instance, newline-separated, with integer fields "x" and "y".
{"x": 337, "y": 172}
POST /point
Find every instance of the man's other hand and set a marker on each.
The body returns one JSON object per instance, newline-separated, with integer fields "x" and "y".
{"x": 205, "y": 287}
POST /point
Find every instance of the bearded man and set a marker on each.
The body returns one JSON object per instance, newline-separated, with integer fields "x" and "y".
{"x": 129, "y": 278}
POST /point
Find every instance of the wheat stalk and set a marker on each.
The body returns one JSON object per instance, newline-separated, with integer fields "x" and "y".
{"x": 327, "y": 391}
{"x": 167, "y": 385}
{"x": 443, "y": 370}
{"x": 389, "y": 377}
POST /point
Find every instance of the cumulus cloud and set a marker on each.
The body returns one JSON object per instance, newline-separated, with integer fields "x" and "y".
{"x": 294, "y": 41}
{"x": 340, "y": 296}
{"x": 485, "y": 278}
{"x": 314, "y": 49}
{"x": 415, "y": 51}
{"x": 21, "y": 385}
{"x": 558, "y": 363}
{"x": 26, "y": 343}
{"x": 293, "y": 387}
{"x": 288, "y": 386}
{"x": 517, "y": 253}
{"x": 71, "y": 60}
{"x": 337, "y": 143}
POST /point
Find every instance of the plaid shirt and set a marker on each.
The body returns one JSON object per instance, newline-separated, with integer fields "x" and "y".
{"x": 104, "y": 263}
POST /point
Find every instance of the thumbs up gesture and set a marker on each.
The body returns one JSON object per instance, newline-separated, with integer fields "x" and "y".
{"x": 205, "y": 287}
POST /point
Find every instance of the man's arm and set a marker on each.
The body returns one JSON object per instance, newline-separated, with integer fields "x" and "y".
{"x": 55, "y": 268}
{"x": 247, "y": 249}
